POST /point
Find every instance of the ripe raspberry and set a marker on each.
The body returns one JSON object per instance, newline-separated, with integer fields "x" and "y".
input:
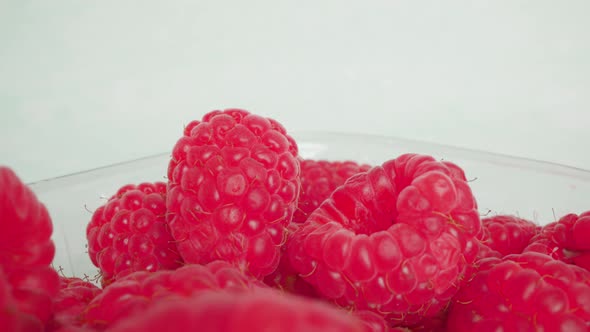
{"x": 262, "y": 310}
{"x": 285, "y": 277}
{"x": 26, "y": 248}
{"x": 134, "y": 292}
{"x": 566, "y": 240}
{"x": 70, "y": 303}
{"x": 319, "y": 178}
{"x": 11, "y": 318}
{"x": 233, "y": 187}
{"x": 523, "y": 292}
{"x": 507, "y": 234}
{"x": 71, "y": 328}
{"x": 435, "y": 324}
{"x": 129, "y": 233}
{"x": 396, "y": 240}
{"x": 373, "y": 322}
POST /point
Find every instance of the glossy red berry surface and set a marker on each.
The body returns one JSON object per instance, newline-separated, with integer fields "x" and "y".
{"x": 134, "y": 292}
{"x": 11, "y": 317}
{"x": 71, "y": 302}
{"x": 568, "y": 240}
{"x": 523, "y": 292}
{"x": 261, "y": 310}
{"x": 507, "y": 234}
{"x": 234, "y": 183}
{"x": 246, "y": 235}
{"x": 129, "y": 233}
{"x": 396, "y": 240}
{"x": 319, "y": 178}
{"x": 71, "y": 328}
{"x": 373, "y": 322}
{"x": 26, "y": 248}
{"x": 285, "y": 277}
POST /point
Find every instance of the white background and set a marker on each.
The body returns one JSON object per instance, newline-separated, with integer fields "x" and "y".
{"x": 89, "y": 83}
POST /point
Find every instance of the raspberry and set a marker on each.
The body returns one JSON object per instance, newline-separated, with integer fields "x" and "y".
{"x": 285, "y": 277}
{"x": 129, "y": 233}
{"x": 523, "y": 292}
{"x": 26, "y": 248}
{"x": 566, "y": 240}
{"x": 435, "y": 324}
{"x": 71, "y": 301}
{"x": 319, "y": 178}
{"x": 507, "y": 234}
{"x": 11, "y": 318}
{"x": 71, "y": 328}
{"x": 234, "y": 183}
{"x": 262, "y": 310}
{"x": 134, "y": 292}
{"x": 396, "y": 240}
{"x": 373, "y": 322}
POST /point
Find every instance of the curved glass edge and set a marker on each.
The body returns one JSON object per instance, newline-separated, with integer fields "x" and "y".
{"x": 500, "y": 181}
{"x": 412, "y": 146}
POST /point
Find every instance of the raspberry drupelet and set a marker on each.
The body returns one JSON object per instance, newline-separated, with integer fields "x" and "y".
{"x": 506, "y": 234}
{"x": 523, "y": 292}
{"x": 319, "y": 178}
{"x": 26, "y": 249}
{"x": 136, "y": 291}
{"x": 396, "y": 240}
{"x": 566, "y": 239}
{"x": 129, "y": 233}
{"x": 234, "y": 182}
{"x": 71, "y": 302}
{"x": 259, "y": 310}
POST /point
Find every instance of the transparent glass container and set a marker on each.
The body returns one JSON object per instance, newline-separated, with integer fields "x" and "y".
{"x": 531, "y": 189}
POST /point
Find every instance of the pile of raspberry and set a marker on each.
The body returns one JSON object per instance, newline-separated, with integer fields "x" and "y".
{"x": 246, "y": 235}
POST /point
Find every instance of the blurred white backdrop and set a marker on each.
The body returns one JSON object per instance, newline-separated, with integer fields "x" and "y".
{"x": 86, "y": 84}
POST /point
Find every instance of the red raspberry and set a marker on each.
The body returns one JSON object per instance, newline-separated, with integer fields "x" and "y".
{"x": 566, "y": 240}
{"x": 11, "y": 318}
{"x": 523, "y": 292}
{"x": 71, "y": 328}
{"x": 262, "y": 310}
{"x": 396, "y": 239}
{"x": 134, "y": 292}
{"x": 129, "y": 233}
{"x": 435, "y": 324}
{"x": 507, "y": 234}
{"x": 71, "y": 302}
{"x": 26, "y": 248}
{"x": 373, "y": 322}
{"x": 285, "y": 277}
{"x": 319, "y": 178}
{"x": 233, "y": 187}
